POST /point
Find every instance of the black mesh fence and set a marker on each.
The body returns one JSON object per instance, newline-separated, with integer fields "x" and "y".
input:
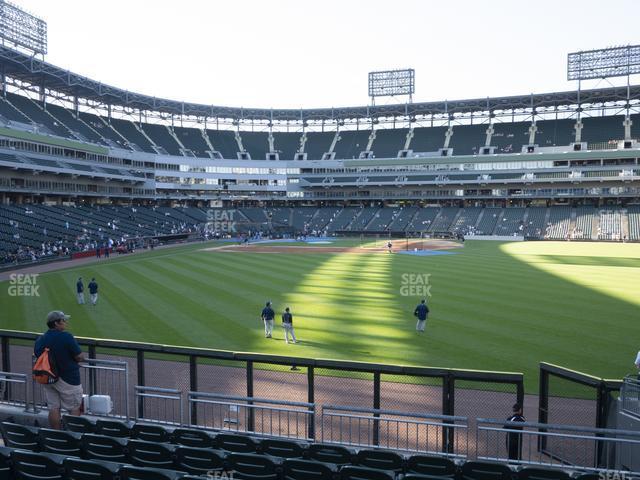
{"x": 571, "y": 403}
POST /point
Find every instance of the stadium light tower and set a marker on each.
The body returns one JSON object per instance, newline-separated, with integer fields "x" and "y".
{"x": 390, "y": 83}
{"x": 605, "y": 63}
{"x": 22, "y": 30}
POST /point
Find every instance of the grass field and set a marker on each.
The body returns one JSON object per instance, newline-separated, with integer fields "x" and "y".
{"x": 494, "y": 306}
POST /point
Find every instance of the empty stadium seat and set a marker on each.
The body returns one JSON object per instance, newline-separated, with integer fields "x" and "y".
{"x": 20, "y": 436}
{"x": 78, "y": 424}
{"x": 113, "y": 428}
{"x": 351, "y": 472}
{"x": 485, "y": 471}
{"x": 199, "y": 460}
{"x": 379, "y": 459}
{"x": 5, "y": 463}
{"x": 235, "y": 443}
{"x": 249, "y": 466}
{"x": 431, "y": 465}
{"x": 151, "y": 433}
{"x": 296, "y": 469}
{"x": 330, "y": 453}
{"x": 530, "y": 473}
{"x": 130, "y": 472}
{"x": 150, "y": 454}
{"x": 100, "y": 447}
{"x": 282, "y": 448}
{"x": 192, "y": 438}
{"x": 78, "y": 469}
{"x": 60, "y": 442}
{"x": 37, "y": 466}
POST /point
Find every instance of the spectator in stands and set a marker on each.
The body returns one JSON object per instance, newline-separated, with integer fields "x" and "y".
{"x": 421, "y": 312}
{"x": 93, "y": 291}
{"x": 66, "y": 392}
{"x": 287, "y": 324}
{"x": 80, "y": 291}
{"x": 514, "y": 439}
{"x": 267, "y": 316}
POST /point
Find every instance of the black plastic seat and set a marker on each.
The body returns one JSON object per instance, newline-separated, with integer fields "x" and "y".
{"x": 326, "y": 453}
{"x": 151, "y": 454}
{"x": 232, "y": 442}
{"x": 60, "y": 442}
{"x": 351, "y": 472}
{"x": 192, "y": 438}
{"x": 379, "y": 460}
{"x": 150, "y": 433}
{"x": 109, "y": 449}
{"x": 296, "y": 469}
{"x": 113, "y": 428}
{"x": 249, "y": 466}
{"x": 417, "y": 476}
{"x": 589, "y": 476}
{"x": 131, "y": 472}
{"x": 431, "y": 465}
{"x": 535, "y": 473}
{"x": 79, "y": 469}
{"x": 20, "y": 436}
{"x": 283, "y": 448}
{"x": 37, "y": 466}
{"x": 199, "y": 461}
{"x": 78, "y": 424}
{"x": 5, "y": 463}
{"x": 485, "y": 471}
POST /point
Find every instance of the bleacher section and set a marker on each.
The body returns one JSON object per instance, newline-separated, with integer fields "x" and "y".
{"x": 633, "y": 214}
{"x": 466, "y": 221}
{"x": 301, "y": 218}
{"x": 536, "y": 224}
{"x": 256, "y": 143}
{"x": 427, "y": 139}
{"x": 558, "y": 225}
{"x": 511, "y": 223}
{"x": 343, "y": 219}
{"x": 584, "y": 223}
{"x": 321, "y": 220}
{"x": 38, "y": 115}
{"x": 610, "y": 225}
{"x": 421, "y": 221}
{"x": 382, "y": 218}
{"x": 135, "y": 139}
{"x": 351, "y": 143}
{"x": 161, "y": 136}
{"x": 224, "y": 141}
{"x": 510, "y": 137}
{"x": 105, "y": 130}
{"x": 318, "y": 143}
{"x": 487, "y": 222}
{"x": 10, "y": 113}
{"x": 363, "y": 218}
{"x": 468, "y": 139}
{"x": 286, "y": 144}
{"x": 192, "y": 139}
{"x": 111, "y": 449}
{"x": 603, "y": 130}
{"x": 442, "y": 222}
{"x": 400, "y": 222}
{"x": 81, "y": 130}
{"x": 389, "y": 141}
{"x": 555, "y": 132}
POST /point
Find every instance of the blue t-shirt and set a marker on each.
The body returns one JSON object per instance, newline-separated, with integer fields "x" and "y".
{"x": 421, "y": 311}
{"x": 79, "y": 287}
{"x": 268, "y": 313}
{"x": 93, "y": 288}
{"x": 64, "y": 348}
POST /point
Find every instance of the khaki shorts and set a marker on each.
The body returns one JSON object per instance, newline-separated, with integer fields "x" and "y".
{"x": 62, "y": 395}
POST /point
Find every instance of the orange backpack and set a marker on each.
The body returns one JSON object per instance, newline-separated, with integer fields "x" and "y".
{"x": 44, "y": 370}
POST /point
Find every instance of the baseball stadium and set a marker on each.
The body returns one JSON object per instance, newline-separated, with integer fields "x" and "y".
{"x": 167, "y": 229}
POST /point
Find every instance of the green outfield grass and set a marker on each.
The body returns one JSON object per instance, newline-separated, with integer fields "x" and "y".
{"x": 495, "y": 306}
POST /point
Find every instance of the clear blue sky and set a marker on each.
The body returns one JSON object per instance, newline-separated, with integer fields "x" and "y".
{"x": 308, "y": 53}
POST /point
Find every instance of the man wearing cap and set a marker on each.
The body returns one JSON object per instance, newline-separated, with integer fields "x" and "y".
{"x": 93, "y": 291}
{"x": 421, "y": 312}
{"x": 267, "y": 316}
{"x": 287, "y": 324}
{"x": 80, "y": 291}
{"x": 514, "y": 439}
{"x": 66, "y": 392}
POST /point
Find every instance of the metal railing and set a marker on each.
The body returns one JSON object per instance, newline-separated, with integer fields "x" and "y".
{"x": 585, "y": 448}
{"x": 630, "y": 396}
{"x": 258, "y": 416}
{"x": 396, "y": 430}
{"x": 98, "y": 377}
{"x": 160, "y": 405}
{"x": 13, "y": 389}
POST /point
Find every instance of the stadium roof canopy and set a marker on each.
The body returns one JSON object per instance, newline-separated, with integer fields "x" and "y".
{"x": 37, "y": 72}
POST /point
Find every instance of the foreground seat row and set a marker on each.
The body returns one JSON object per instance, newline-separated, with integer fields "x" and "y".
{"x": 39, "y": 453}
